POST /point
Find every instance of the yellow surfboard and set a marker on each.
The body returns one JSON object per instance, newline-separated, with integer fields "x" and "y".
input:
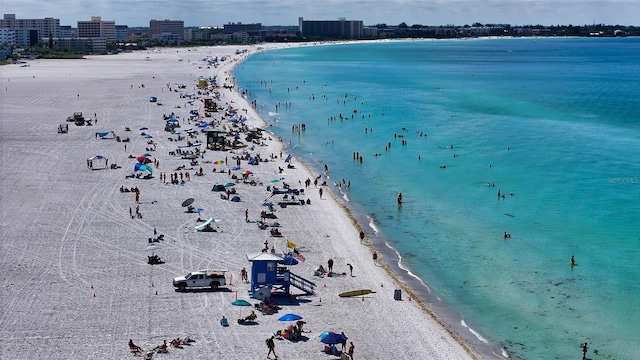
{"x": 356, "y": 293}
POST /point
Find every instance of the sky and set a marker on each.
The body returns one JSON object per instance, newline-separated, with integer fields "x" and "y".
{"x": 371, "y": 12}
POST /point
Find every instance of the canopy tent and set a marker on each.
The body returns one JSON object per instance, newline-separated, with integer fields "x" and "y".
{"x": 105, "y": 135}
{"x": 97, "y": 162}
{"x": 206, "y": 226}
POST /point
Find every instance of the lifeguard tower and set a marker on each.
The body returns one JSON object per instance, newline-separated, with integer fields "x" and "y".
{"x": 270, "y": 275}
{"x": 216, "y": 139}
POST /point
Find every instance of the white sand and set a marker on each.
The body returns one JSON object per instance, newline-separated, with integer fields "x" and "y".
{"x": 75, "y": 280}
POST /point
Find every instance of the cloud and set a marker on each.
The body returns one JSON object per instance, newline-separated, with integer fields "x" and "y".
{"x": 286, "y": 12}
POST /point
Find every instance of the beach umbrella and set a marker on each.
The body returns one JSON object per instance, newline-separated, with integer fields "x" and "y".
{"x": 142, "y": 159}
{"x": 229, "y": 184}
{"x": 241, "y": 303}
{"x": 333, "y": 338}
{"x": 247, "y": 172}
{"x": 235, "y": 168}
{"x": 146, "y": 154}
{"x": 219, "y": 162}
{"x": 274, "y": 180}
{"x": 290, "y": 317}
{"x": 142, "y": 167}
{"x": 144, "y": 128}
{"x": 148, "y": 136}
{"x": 188, "y": 202}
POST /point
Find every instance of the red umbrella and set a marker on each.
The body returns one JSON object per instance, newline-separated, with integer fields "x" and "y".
{"x": 143, "y": 159}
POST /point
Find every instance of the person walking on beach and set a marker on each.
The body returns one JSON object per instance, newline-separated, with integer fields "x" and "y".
{"x": 350, "y": 351}
{"x": 584, "y": 350}
{"x": 320, "y": 191}
{"x": 350, "y": 269}
{"x": 272, "y": 348}
{"x": 246, "y": 215}
{"x": 361, "y": 236}
{"x": 243, "y": 275}
{"x": 330, "y": 265}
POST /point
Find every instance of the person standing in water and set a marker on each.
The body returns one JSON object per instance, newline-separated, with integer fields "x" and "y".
{"x": 399, "y": 199}
{"x": 573, "y": 261}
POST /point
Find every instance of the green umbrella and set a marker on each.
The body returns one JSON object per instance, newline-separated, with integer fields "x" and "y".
{"x": 188, "y": 202}
{"x": 241, "y": 303}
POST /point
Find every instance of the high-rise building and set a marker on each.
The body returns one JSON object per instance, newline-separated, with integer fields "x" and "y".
{"x": 65, "y": 31}
{"x": 253, "y": 29}
{"x": 29, "y": 32}
{"x": 338, "y": 29}
{"x": 97, "y": 28}
{"x": 122, "y": 32}
{"x": 7, "y": 36}
{"x": 164, "y": 29}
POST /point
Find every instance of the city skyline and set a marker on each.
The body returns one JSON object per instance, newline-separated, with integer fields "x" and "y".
{"x": 371, "y": 12}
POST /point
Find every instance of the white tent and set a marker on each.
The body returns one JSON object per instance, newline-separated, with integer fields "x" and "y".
{"x": 97, "y": 162}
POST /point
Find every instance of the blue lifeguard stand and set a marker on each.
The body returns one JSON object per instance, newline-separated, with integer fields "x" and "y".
{"x": 269, "y": 272}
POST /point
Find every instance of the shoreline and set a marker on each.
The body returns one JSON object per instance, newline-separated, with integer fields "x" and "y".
{"x": 475, "y": 345}
{"x": 86, "y": 286}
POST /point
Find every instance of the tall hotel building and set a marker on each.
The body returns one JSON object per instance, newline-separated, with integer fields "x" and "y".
{"x": 337, "y": 29}
{"x": 28, "y": 32}
{"x": 166, "y": 29}
{"x": 97, "y": 28}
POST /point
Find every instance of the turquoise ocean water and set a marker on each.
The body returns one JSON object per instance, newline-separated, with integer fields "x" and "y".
{"x": 553, "y": 123}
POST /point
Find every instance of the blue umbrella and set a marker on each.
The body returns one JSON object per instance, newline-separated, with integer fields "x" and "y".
{"x": 333, "y": 338}
{"x": 148, "y": 136}
{"x": 144, "y": 128}
{"x": 290, "y": 317}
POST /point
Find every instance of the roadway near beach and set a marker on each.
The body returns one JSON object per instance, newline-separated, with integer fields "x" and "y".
{"x": 76, "y": 283}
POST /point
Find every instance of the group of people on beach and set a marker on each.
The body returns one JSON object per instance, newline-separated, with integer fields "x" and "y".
{"x": 160, "y": 349}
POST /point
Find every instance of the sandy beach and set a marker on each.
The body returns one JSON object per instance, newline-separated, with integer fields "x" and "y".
{"x": 76, "y": 282}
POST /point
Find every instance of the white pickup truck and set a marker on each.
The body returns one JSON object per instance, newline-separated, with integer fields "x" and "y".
{"x": 206, "y": 278}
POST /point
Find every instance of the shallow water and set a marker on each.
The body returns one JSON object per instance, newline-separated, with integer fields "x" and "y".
{"x": 553, "y": 121}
